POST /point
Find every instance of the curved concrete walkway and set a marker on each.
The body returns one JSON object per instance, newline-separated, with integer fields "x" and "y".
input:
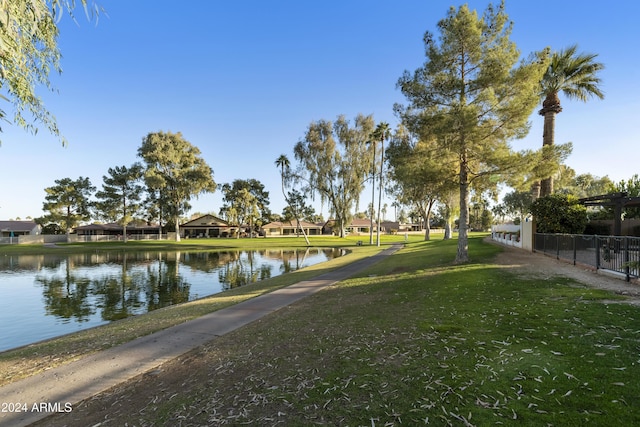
{"x": 59, "y": 389}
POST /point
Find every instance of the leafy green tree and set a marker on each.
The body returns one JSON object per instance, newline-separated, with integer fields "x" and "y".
{"x": 333, "y": 160}
{"x": 175, "y": 168}
{"x": 419, "y": 173}
{"x": 293, "y": 206}
{"x": 472, "y": 97}
{"x": 297, "y": 208}
{"x": 576, "y": 76}
{"x": 632, "y": 188}
{"x": 68, "y": 202}
{"x": 559, "y": 213}
{"x": 516, "y": 204}
{"x": 121, "y": 195}
{"x": 153, "y": 209}
{"x": 234, "y": 191}
{"x": 28, "y": 53}
{"x": 241, "y": 207}
{"x": 583, "y": 185}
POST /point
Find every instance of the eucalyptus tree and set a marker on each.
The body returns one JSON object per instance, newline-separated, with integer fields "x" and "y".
{"x": 234, "y": 191}
{"x": 583, "y": 185}
{"x": 420, "y": 173}
{"x": 294, "y": 199}
{"x": 121, "y": 196}
{"x": 574, "y": 74}
{"x": 68, "y": 202}
{"x": 29, "y": 52}
{"x": 241, "y": 207}
{"x": 175, "y": 169}
{"x": 334, "y": 160}
{"x": 472, "y": 97}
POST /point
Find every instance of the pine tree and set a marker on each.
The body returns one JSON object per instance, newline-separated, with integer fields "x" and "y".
{"x": 472, "y": 96}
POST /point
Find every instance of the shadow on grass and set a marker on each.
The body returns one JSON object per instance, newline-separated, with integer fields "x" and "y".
{"x": 472, "y": 342}
{"x": 435, "y": 343}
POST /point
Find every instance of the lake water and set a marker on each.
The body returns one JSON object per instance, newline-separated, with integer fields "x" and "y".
{"x": 44, "y": 296}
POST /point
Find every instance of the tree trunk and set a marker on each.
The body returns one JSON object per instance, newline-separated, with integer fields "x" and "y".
{"x": 447, "y": 229}
{"x": 380, "y": 195}
{"x": 427, "y": 233}
{"x": 306, "y": 239}
{"x": 550, "y": 107}
{"x": 535, "y": 191}
{"x": 177, "y": 228}
{"x": 463, "y": 228}
{"x": 373, "y": 191}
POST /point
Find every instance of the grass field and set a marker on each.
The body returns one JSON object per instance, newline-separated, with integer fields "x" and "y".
{"x": 417, "y": 340}
{"x": 414, "y": 340}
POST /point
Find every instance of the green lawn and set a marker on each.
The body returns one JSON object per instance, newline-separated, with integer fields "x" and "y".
{"x": 417, "y": 340}
{"x": 414, "y": 340}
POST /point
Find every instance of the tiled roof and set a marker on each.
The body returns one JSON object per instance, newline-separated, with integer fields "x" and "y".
{"x": 207, "y": 220}
{"x": 304, "y": 224}
{"x": 17, "y": 225}
{"x": 114, "y": 226}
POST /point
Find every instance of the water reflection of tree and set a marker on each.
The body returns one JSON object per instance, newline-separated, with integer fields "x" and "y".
{"x": 165, "y": 286}
{"x": 147, "y": 280}
{"x": 292, "y": 260}
{"x": 241, "y": 271}
{"x": 209, "y": 261}
{"x": 120, "y": 295}
{"x": 68, "y": 296}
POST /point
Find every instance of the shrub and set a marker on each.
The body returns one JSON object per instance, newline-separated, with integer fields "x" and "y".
{"x": 559, "y": 213}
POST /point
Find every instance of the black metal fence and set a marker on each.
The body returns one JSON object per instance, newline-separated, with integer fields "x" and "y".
{"x": 615, "y": 253}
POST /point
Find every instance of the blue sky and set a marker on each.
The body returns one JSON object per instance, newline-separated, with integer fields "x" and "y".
{"x": 243, "y": 80}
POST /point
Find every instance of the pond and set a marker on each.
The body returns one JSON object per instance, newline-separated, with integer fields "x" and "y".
{"x": 44, "y": 296}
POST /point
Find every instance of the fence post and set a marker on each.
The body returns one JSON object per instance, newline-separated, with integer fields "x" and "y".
{"x": 626, "y": 259}
{"x": 574, "y": 250}
{"x": 597, "y": 252}
{"x": 557, "y": 246}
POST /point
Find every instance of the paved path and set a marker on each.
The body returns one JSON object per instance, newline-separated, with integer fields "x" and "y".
{"x": 59, "y": 389}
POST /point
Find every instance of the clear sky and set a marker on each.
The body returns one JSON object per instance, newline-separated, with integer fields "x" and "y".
{"x": 242, "y": 80}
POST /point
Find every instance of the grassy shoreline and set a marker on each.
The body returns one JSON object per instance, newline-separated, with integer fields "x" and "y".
{"x": 30, "y": 359}
{"x": 415, "y": 339}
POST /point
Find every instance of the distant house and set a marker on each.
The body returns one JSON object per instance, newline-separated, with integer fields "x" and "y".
{"x": 361, "y": 226}
{"x": 290, "y": 228}
{"x": 390, "y": 227}
{"x": 18, "y": 228}
{"x": 357, "y": 226}
{"x": 207, "y": 226}
{"x": 114, "y": 229}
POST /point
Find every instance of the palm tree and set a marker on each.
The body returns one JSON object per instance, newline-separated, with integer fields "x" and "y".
{"x": 283, "y": 163}
{"x": 382, "y": 132}
{"x": 576, "y": 76}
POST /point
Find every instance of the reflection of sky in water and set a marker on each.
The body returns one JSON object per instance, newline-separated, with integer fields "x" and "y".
{"x": 44, "y": 298}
